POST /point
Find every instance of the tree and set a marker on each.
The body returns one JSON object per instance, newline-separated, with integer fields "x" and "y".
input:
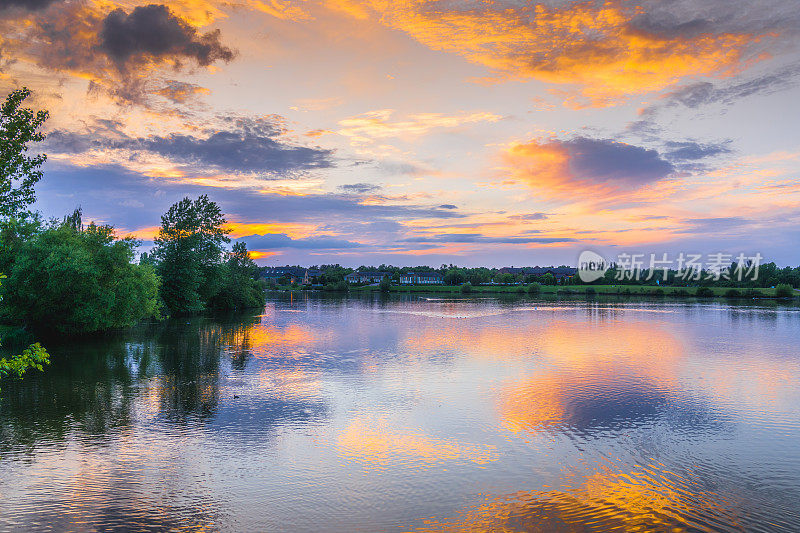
{"x": 454, "y": 276}
{"x": 385, "y": 284}
{"x": 19, "y": 173}
{"x": 240, "y": 286}
{"x": 784, "y": 290}
{"x": 74, "y": 280}
{"x": 188, "y": 249}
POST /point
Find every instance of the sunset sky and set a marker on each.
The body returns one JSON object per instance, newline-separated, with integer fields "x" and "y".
{"x": 423, "y": 132}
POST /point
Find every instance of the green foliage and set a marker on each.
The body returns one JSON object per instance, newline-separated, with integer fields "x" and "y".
{"x": 454, "y": 276}
{"x": 534, "y": 288}
{"x": 188, "y": 251}
{"x": 79, "y": 281}
{"x": 590, "y": 291}
{"x": 784, "y": 290}
{"x": 521, "y": 289}
{"x": 466, "y": 288}
{"x": 732, "y": 293}
{"x": 32, "y": 357}
{"x": 240, "y": 288}
{"x": 18, "y": 128}
{"x": 505, "y": 278}
{"x": 704, "y": 292}
{"x": 548, "y": 279}
{"x": 339, "y": 286}
{"x": 385, "y": 284}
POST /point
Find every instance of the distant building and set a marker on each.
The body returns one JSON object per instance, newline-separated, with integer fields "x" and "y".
{"x": 366, "y": 276}
{"x": 421, "y": 278}
{"x": 311, "y": 276}
{"x": 293, "y": 274}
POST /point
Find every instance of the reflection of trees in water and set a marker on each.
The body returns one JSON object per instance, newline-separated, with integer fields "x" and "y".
{"x": 94, "y": 384}
{"x": 92, "y": 397}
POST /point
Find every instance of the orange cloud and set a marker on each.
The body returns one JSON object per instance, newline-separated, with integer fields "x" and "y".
{"x": 369, "y": 127}
{"x": 595, "y": 46}
{"x": 584, "y": 167}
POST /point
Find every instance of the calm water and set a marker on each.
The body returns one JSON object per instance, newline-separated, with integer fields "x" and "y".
{"x": 416, "y": 414}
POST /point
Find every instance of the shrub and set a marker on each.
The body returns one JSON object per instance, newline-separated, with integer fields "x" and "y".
{"x": 520, "y": 289}
{"x": 784, "y": 290}
{"x": 704, "y": 292}
{"x": 732, "y": 293}
{"x": 534, "y": 288}
{"x": 385, "y": 284}
{"x": 74, "y": 280}
{"x": 466, "y": 288}
{"x": 591, "y": 291}
{"x": 658, "y": 293}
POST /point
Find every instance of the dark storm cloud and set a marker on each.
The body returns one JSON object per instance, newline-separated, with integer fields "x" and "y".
{"x": 448, "y": 206}
{"x": 360, "y": 188}
{"x": 154, "y": 31}
{"x": 607, "y": 161}
{"x": 280, "y": 240}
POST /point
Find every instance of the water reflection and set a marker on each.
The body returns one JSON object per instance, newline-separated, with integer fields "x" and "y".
{"x": 646, "y": 499}
{"x": 374, "y": 414}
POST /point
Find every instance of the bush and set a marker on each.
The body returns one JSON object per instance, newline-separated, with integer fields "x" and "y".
{"x": 658, "y": 293}
{"x": 591, "y": 291}
{"x": 534, "y": 288}
{"x": 238, "y": 286}
{"x": 466, "y": 288}
{"x": 681, "y": 293}
{"x": 704, "y": 292}
{"x": 784, "y": 290}
{"x": 385, "y": 284}
{"x": 732, "y": 293}
{"x": 74, "y": 280}
{"x": 339, "y": 286}
{"x": 521, "y": 289}
{"x": 753, "y": 293}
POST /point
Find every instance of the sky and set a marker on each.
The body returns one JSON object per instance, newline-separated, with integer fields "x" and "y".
{"x": 359, "y": 132}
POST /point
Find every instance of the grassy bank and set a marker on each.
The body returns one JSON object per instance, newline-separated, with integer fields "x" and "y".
{"x": 584, "y": 290}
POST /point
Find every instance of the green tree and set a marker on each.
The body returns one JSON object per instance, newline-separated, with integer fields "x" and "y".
{"x": 188, "y": 250}
{"x": 454, "y": 276}
{"x": 240, "y": 287}
{"x": 19, "y": 173}
{"x": 75, "y": 280}
{"x": 784, "y": 290}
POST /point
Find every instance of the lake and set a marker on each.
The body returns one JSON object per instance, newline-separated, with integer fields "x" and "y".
{"x": 415, "y": 413}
